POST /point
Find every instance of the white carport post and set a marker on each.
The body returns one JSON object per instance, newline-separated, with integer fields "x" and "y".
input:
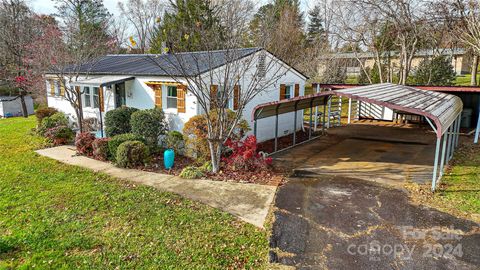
{"x": 457, "y": 137}
{"x": 442, "y": 155}
{"x": 435, "y": 164}
{"x": 317, "y": 89}
{"x": 349, "y": 110}
{"x": 450, "y": 140}
{"x": 477, "y": 131}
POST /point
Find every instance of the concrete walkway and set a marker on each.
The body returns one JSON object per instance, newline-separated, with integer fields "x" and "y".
{"x": 249, "y": 202}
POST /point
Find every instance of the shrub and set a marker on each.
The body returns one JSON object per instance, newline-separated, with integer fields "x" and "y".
{"x": 150, "y": 124}
{"x": 55, "y": 120}
{"x": 100, "y": 148}
{"x": 131, "y": 153}
{"x": 43, "y": 113}
{"x": 119, "y": 139}
{"x": 437, "y": 71}
{"x": 84, "y": 143}
{"x": 59, "y": 135}
{"x": 174, "y": 140}
{"x": 117, "y": 121}
{"x": 207, "y": 166}
{"x": 244, "y": 155}
{"x": 191, "y": 172}
{"x": 195, "y": 132}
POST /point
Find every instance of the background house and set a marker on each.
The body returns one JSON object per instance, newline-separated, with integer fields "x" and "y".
{"x": 350, "y": 61}
{"x": 148, "y": 81}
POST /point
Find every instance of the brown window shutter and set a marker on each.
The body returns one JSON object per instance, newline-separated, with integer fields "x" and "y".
{"x": 100, "y": 99}
{"x": 236, "y": 96}
{"x": 158, "y": 95}
{"x": 52, "y": 87}
{"x": 181, "y": 91}
{"x": 213, "y": 96}
{"x": 283, "y": 88}
{"x": 297, "y": 90}
{"x": 62, "y": 88}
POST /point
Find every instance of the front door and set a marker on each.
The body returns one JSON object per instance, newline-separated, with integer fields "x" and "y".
{"x": 120, "y": 98}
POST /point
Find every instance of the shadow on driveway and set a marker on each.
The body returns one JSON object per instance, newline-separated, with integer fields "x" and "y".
{"x": 335, "y": 222}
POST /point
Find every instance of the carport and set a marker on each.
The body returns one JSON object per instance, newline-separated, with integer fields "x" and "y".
{"x": 442, "y": 111}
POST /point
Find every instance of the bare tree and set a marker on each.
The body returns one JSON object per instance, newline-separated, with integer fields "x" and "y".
{"x": 16, "y": 31}
{"x": 142, "y": 15}
{"x": 242, "y": 78}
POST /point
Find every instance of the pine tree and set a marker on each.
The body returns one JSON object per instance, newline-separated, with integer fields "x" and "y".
{"x": 315, "y": 30}
{"x": 192, "y": 25}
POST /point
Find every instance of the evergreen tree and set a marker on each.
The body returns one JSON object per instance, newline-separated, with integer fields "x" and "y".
{"x": 192, "y": 25}
{"x": 437, "y": 71}
{"x": 315, "y": 31}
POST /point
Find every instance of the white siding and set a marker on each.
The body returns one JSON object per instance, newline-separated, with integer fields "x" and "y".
{"x": 139, "y": 95}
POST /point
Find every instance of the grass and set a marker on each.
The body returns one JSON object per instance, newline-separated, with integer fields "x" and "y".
{"x": 459, "y": 191}
{"x": 464, "y": 80}
{"x": 55, "y": 216}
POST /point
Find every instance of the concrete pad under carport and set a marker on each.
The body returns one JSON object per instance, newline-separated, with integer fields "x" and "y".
{"x": 380, "y": 152}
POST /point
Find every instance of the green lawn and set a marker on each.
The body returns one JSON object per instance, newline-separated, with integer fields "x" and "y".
{"x": 464, "y": 80}
{"x": 459, "y": 191}
{"x": 55, "y": 216}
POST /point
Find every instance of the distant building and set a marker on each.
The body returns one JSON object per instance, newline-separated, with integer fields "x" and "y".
{"x": 461, "y": 61}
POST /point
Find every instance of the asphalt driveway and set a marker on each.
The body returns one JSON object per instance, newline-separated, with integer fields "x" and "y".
{"x": 333, "y": 222}
{"x": 346, "y": 210}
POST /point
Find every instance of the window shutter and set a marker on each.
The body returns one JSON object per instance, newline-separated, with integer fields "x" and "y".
{"x": 52, "y": 87}
{"x": 236, "y": 96}
{"x": 283, "y": 88}
{"x": 158, "y": 95}
{"x": 62, "y": 88}
{"x": 181, "y": 91}
{"x": 213, "y": 96}
{"x": 297, "y": 90}
{"x": 100, "y": 99}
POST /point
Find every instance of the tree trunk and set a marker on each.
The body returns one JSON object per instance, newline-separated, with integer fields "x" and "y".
{"x": 24, "y": 106}
{"x": 215, "y": 154}
{"x": 473, "y": 80}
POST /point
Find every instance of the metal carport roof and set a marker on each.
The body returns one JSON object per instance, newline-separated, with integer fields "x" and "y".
{"x": 443, "y": 109}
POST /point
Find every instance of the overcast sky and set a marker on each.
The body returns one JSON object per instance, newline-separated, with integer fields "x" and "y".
{"x": 48, "y": 6}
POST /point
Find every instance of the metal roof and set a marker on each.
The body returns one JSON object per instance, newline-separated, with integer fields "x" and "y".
{"x": 448, "y": 88}
{"x": 442, "y": 108}
{"x": 103, "y": 81}
{"x": 178, "y": 64}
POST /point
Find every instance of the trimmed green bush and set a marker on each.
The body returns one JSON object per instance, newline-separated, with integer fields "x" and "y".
{"x": 191, "y": 172}
{"x": 174, "y": 140}
{"x": 119, "y": 139}
{"x": 44, "y": 112}
{"x": 118, "y": 121}
{"x": 131, "y": 154}
{"x": 100, "y": 148}
{"x": 150, "y": 124}
{"x": 207, "y": 166}
{"x": 56, "y": 120}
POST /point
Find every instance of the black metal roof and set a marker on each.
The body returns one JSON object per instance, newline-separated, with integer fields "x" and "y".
{"x": 178, "y": 64}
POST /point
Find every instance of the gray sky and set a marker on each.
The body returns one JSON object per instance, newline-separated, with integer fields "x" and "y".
{"x": 48, "y": 6}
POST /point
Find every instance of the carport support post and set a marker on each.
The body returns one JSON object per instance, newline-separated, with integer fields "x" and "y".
{"x": 276, "y": 128}
{"x": 316, "y": 108}
{"x": 349, "y": 109}
{"x": 323, "y": 115}
{"x": 450, "y": 137}
{"x": 442, "y": 156}
{"x": 329, "y": 110}
{"x": 295, "y": 124}
{"x": 435, "y": 164}
{"x": 457, "y": 137}
{"x": 311, "y": 112}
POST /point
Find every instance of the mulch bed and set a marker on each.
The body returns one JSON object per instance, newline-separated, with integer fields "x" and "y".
{"x": 264, "y": 177}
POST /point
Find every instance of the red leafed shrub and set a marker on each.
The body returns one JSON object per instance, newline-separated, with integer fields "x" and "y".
{"x": 244, "y": 155}
{"x": 100, "y": 148}
{"x": 83, "y": 143}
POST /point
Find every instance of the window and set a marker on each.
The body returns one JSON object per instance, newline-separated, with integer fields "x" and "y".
{"x": 288, "y": 91}
{"x": 171, "y": 97}
{"x": 87, "y": 95}
{"x": 95, "y": 97}
{"x": 57, "y": 88}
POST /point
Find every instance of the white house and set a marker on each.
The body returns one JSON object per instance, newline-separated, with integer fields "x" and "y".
{"x": 148, "y": 81}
